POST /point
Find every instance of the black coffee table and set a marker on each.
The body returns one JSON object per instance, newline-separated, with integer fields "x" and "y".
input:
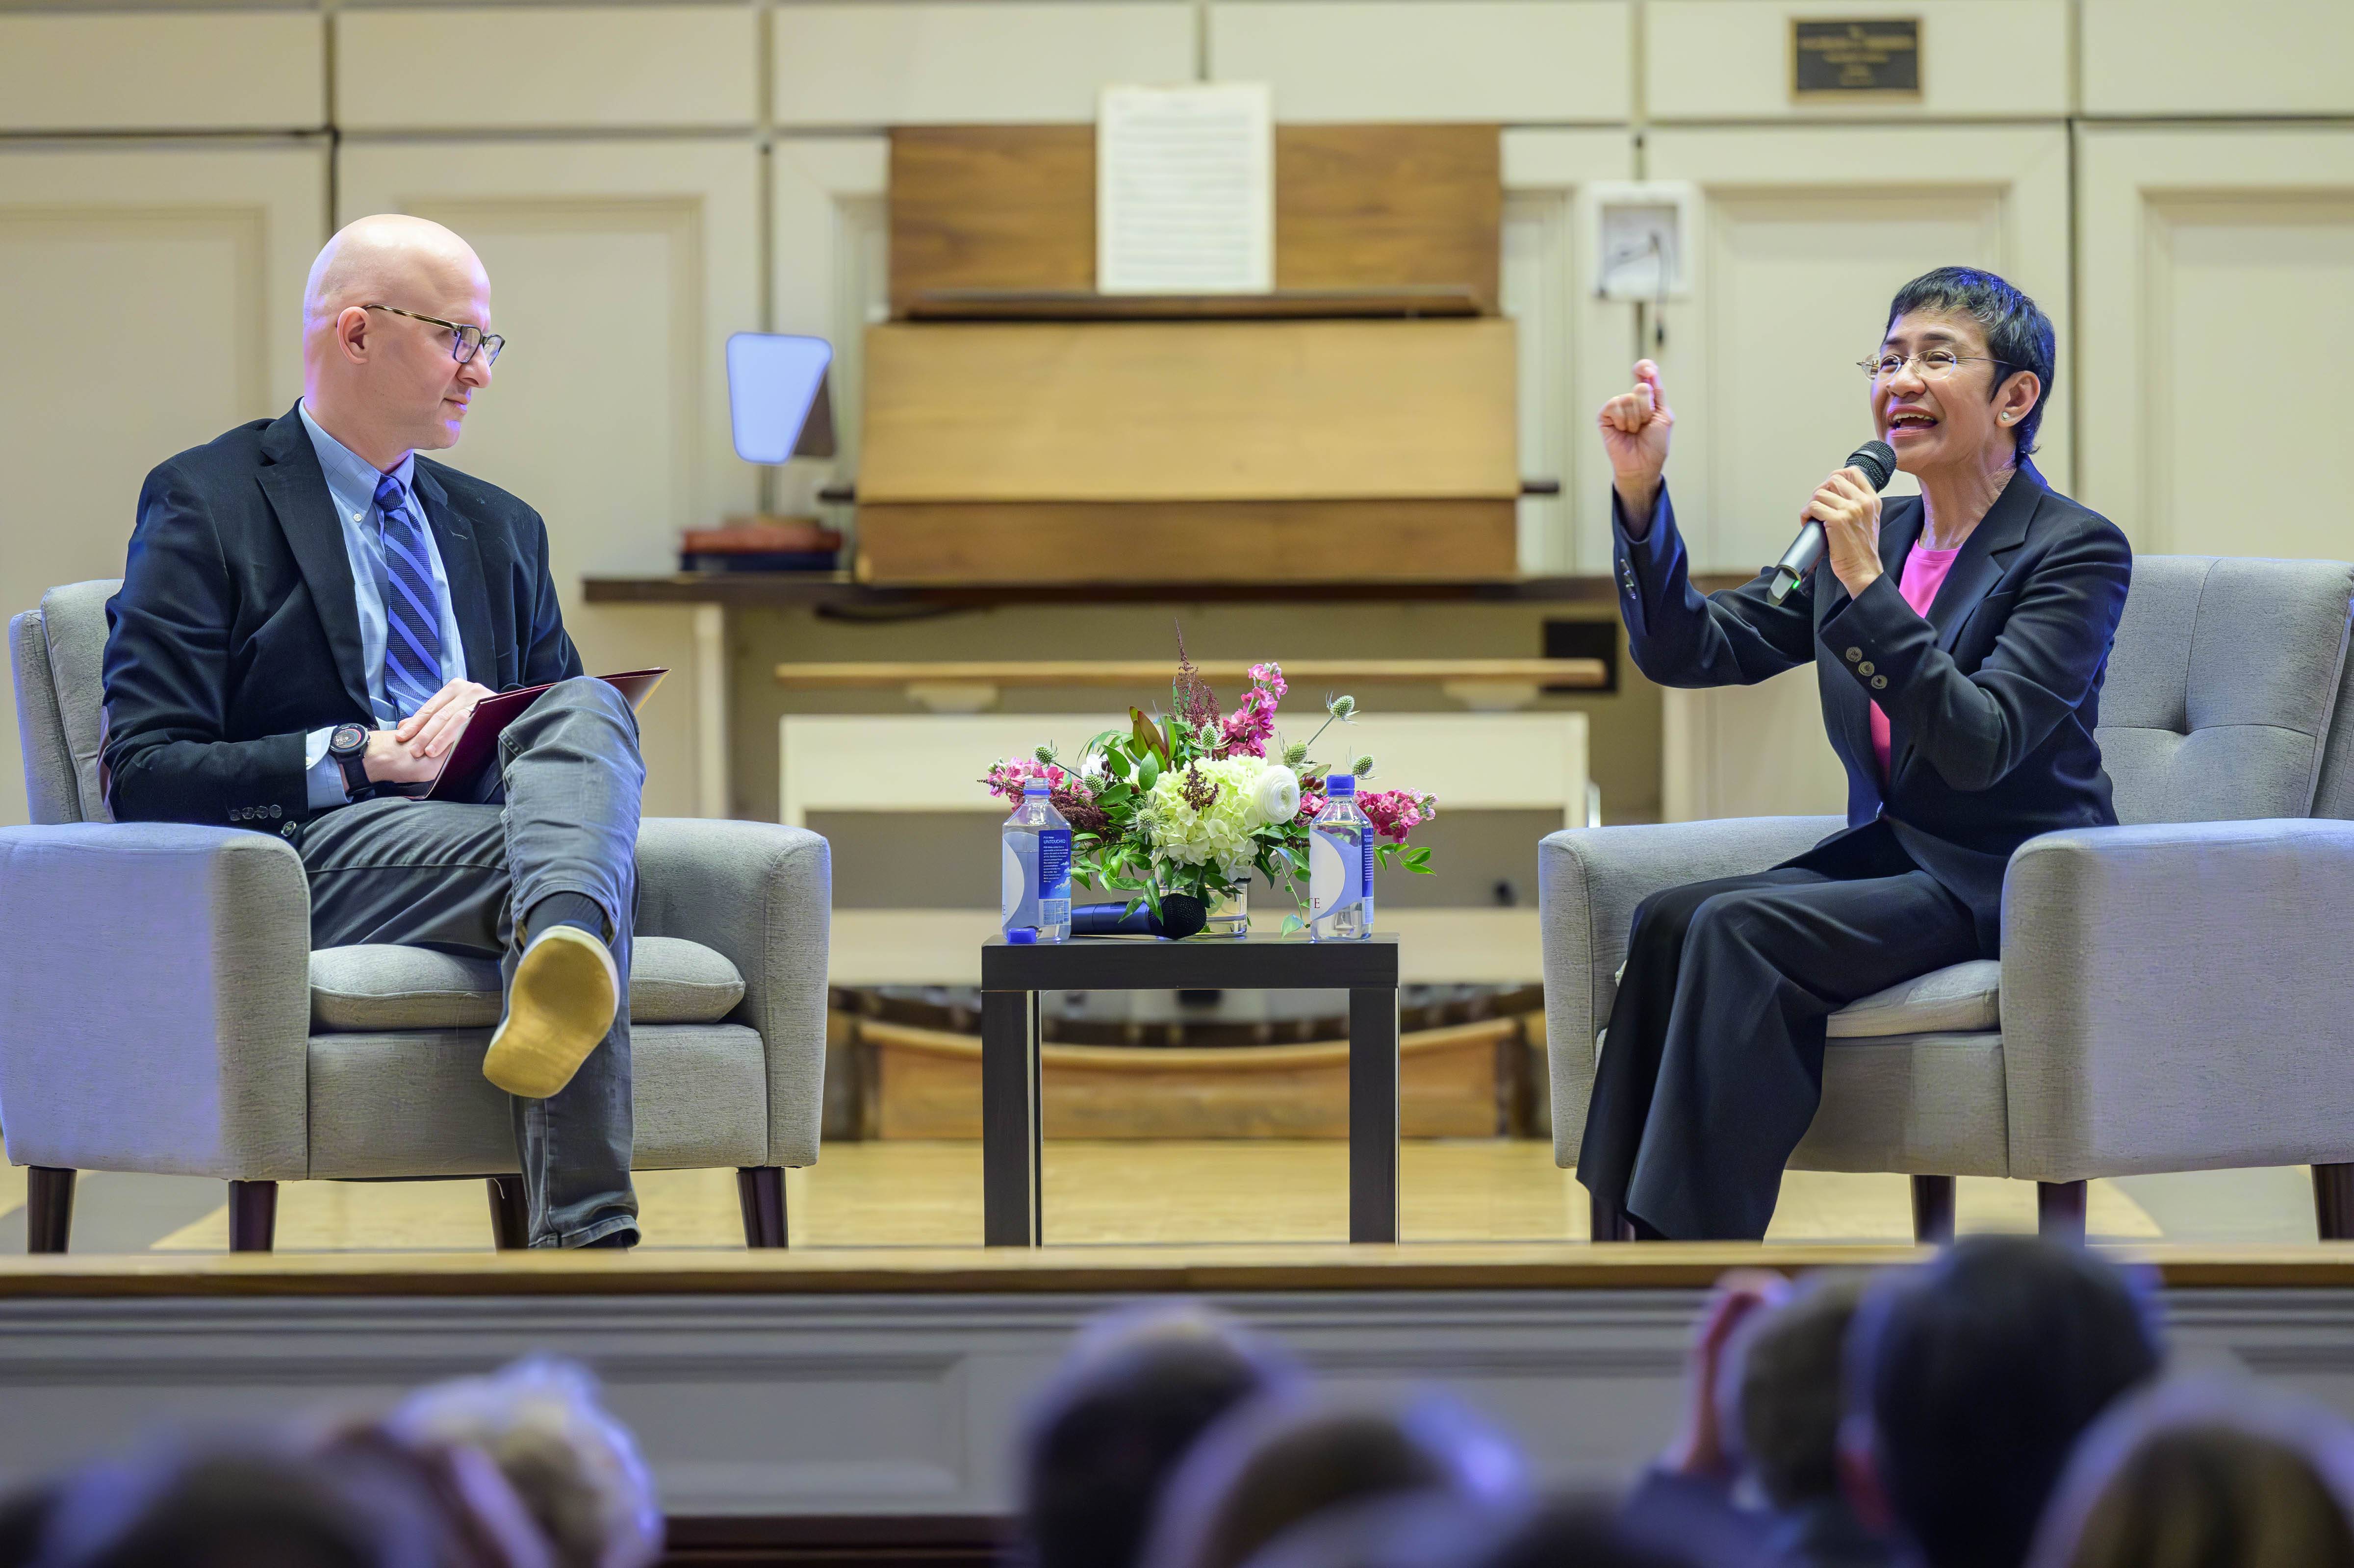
{"x": 1012, "y": 975}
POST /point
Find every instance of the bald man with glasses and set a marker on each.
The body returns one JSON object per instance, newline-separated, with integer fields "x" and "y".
{"x": 310, "y": 612}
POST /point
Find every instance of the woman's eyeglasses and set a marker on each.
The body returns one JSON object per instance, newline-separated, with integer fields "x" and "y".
{"x": 465, "y": 342}
{"x": 1930, "y": 364}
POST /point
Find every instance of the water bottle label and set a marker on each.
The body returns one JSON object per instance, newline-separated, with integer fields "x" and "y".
{"x": 1335, "y": 873}
{"x": 1054, "y": 876}
{"x": 1372, "y": 860}
{"x": 1015, "y": 885}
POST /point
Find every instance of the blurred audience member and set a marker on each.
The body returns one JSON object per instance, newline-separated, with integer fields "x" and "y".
{"x": 1579, "y": 1532}
{"x": 576, "y": 1469}
{"x": 2206, "y": 1472}
{"x": 229, "y": 1503}
{"x": 455, "y": 1492}
{"x": 1286, "y": 1459}
{"x": 1405, "y": 1529}
{"x": 1970, "y": 1379}
{"x": 1788, "y": 1394}
{"x": 24, "y": 1514}
{"x": 1137, "y": 1390}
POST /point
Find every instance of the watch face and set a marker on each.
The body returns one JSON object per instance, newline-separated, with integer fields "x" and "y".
{"x": 347, "y": 738}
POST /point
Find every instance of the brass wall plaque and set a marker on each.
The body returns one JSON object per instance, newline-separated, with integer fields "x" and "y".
{"x": 1837, "y": 59}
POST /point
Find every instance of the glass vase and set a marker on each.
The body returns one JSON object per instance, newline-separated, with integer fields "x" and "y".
{"x": 1230, "y": 915}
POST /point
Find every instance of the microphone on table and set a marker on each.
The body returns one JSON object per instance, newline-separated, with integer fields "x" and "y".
{"x": 1878, "y": 462}
{"x": 1181, "y": 916}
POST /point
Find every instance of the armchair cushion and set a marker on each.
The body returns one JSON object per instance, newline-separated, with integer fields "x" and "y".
{"x": 378, "y": 986}
{"x": 415, "y": 1102}
{"x": 1961, "y": 998}
{"x": 1928, "y": 1104}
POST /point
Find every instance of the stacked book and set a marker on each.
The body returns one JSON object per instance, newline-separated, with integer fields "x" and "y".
{"x": 760, "y": 544}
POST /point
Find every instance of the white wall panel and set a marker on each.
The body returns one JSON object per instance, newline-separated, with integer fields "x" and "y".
{"x": 1730, "y": 59}
{"x": 546, "y": 65}
{"x": 161, "y": 288}
{"x": 1517, "y": 61}
{"x": 1548, "y": 289}
{"x": 2192, "y": 57}
{"x": 2217, "y": 274}
{"x": 829, "y": 252}
{"x": 1805, "y": 233}
{"x": 207, "y": 70}
{"x": 616, "y": 272}
{"x": 883, "y": 62}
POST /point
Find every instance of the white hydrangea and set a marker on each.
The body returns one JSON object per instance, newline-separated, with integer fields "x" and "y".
{"x": 1220, "y": 836}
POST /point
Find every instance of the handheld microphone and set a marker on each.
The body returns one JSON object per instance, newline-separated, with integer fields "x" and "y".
{"x": 1878, "y": 462}
{"x": 1181, "y": 916}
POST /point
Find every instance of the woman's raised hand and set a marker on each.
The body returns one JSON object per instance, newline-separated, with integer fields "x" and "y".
{"x": 1635, "y": 427}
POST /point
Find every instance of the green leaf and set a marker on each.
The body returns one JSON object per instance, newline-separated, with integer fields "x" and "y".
{"x": 1147, "y": 773}
{"x": 1291, "y": 923}
{"x": 1145, "y": 739}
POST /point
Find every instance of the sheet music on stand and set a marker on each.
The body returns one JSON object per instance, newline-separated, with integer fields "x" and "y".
{"x": 1185, "y": 190}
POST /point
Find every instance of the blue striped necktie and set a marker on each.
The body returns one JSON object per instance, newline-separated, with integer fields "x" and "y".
{"x": 412, "y": 643}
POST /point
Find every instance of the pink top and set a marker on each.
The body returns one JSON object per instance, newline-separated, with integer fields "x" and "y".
{"x": 1924, "y": 574}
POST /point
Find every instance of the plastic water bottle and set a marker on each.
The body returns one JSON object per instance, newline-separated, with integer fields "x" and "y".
{"x": 1035, "y": 891}
{"x": 1338, "y": 907}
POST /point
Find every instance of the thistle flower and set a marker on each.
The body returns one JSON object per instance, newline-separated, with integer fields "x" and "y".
{"x": 1295, "y": 754}
{"x": 1363, "y": 768}
{"x": 1045, "y": 754}
{"x": 1342, "y": 707}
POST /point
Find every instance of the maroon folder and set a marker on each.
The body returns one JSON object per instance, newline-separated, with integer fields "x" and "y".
{"x": 476, "y": 744}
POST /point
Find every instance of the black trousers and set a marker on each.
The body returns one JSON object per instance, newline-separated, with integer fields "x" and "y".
{"x": 1712, "y": 1063}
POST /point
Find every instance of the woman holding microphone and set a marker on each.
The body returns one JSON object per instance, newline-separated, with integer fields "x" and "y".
{"x": 1959, "y": 637}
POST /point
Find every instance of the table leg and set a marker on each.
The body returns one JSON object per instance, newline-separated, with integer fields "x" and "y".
{"x": 1373, "y": 1114}
{"x": 1010, "y": 1119}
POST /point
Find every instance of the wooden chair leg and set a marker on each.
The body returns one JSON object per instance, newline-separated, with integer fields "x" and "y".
{"x": 761, "y": 1189}
{"x": 2333, "y": 1202}
{"x": 252, "y": 1216}
{"x": 49, "y": 1207}
{"x": 1933, "y": 1210}
{"x": 2060, "y": 1211}
{"x": 510, "y": 1213}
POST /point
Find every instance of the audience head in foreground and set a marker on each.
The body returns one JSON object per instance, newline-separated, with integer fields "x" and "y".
{"x": 575, "y": 1469}
{"x": 1136, "y": 1391}
{"x": 1286, "y": 1459}
{"x": 1970, "y": 1379}
{"x": 2207, "y": 1471}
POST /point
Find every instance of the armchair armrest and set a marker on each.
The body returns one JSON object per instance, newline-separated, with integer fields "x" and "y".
{"x": 2179, "y": 997}
{"x": 155, "y": 999}
{"x": 1588, "y": 881}
{"x": 762, "y": 894}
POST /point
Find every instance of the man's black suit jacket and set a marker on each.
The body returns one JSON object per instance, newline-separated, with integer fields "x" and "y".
{"x": 237, "y": 630}
{"x": 1991, "y": 700}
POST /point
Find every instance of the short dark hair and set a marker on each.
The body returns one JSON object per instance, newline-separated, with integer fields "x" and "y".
{"x": 1112, "y": 1428}
{"x": 1790, "y": 1394}
{"x": 2019, "y": 335}
{"x": 1978, "y": 1372}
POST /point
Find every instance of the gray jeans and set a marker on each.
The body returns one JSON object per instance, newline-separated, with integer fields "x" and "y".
{"x": 560, "y": 816}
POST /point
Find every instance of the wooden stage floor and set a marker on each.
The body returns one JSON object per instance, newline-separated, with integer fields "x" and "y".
{"x": 927, "y": 1195}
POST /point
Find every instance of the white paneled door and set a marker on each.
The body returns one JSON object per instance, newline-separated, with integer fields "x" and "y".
{"x": 618, "y": 269}
{"x": 2214, "y": 267}
{"x": 156, "y": 295}
{"x": 1805, "y": 233}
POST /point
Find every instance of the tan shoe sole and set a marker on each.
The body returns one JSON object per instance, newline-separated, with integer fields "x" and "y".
{"x": 566, "y": 990}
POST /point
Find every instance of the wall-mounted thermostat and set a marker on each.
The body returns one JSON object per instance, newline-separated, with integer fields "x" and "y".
{"x": 1643, "y": 234}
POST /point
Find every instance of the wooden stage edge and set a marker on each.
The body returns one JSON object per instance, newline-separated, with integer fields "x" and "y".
{"x": 1084, "y": 1270}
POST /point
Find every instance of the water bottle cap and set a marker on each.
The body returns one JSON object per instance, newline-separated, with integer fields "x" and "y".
{"x": 1023, "y": 936}
{"x": 1036, "y": 786}
{"x": 1341, "y": 785}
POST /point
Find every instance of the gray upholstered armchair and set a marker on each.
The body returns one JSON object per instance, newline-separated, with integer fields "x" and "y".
{"x": 2174, "y": 993}
{"x": 161, "y": 1009}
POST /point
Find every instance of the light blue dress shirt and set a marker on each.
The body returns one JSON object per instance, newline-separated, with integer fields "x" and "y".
{"x": 351, "y": 484}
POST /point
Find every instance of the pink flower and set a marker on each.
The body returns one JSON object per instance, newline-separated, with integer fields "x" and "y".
{"x": 1005, "y": 778}
{"x": 1397, "y": 812}
{"x": 1270, "y": 676}
{"x": 1312, "y": 799}
{"x": 1251, "y": 725}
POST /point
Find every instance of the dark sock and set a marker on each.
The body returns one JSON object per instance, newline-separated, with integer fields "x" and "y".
{"x": 565, "y": 909}
{"x": 615, "y": 1239}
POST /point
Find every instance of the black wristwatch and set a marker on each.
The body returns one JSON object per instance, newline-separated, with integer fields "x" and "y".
{"x": 348, "y": 747}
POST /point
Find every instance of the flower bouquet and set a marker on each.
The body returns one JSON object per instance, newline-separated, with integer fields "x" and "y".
{"x": 1194, "y": 800}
